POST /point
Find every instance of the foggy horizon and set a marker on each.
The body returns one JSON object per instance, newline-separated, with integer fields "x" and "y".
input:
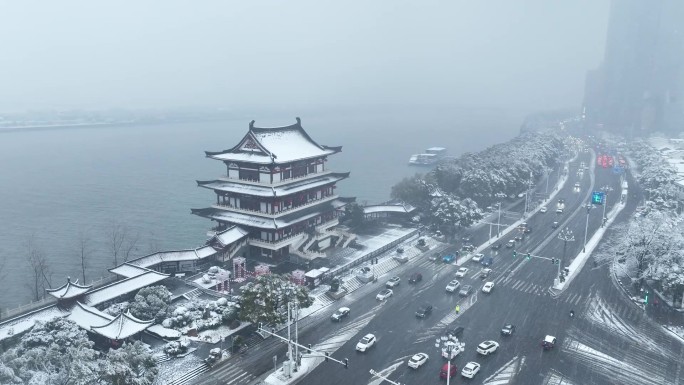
{"x": 523, "y": 56}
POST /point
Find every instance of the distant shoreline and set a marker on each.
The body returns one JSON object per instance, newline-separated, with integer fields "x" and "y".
{"x": 48, "y": 127}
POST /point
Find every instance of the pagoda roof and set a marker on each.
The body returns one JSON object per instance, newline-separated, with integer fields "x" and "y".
{"x": 263, "y": 190}
{"x": 122, "y": 326}
{"x": 228, "y": 236}
{"x": 128, "y": 270}
{"x": 87, "y": 316}
{"x": 274, "y": 145}
{"x": 69, "y": 290}
{"x": 122, "y": 287}
{"x": 173, "y": 256}
{"x": 251, "y": 220}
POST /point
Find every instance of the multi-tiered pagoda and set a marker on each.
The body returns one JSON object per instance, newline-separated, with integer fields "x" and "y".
{"x": 278, "y": 188}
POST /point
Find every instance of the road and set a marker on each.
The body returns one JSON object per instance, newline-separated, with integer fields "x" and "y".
{"x": 609, "y": 341}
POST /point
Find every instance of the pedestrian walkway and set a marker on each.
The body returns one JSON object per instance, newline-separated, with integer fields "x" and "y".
{"x": 230, "y": 374}
{"x": 189, "y": 376}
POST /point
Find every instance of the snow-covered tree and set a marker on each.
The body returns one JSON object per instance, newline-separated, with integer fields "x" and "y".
{"x": 54, "y": 352}
{"x": 265, "y": 300}
{"x": 151, "y": 302}
{"x": 413, "y": 190}
{"x": 131, "y": 364}
{"x": 450, "y": 213}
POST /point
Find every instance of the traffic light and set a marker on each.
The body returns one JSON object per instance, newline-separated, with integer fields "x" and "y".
{"x": 553, "y": 261}
{"x": 346, "y": 363}
{"x": 515, "y": 253}
{"x": 309, "y": 349}
{"x": 646, "y": 297}
{"x": 327, "y": 355}
{"x": 527, "y": 256}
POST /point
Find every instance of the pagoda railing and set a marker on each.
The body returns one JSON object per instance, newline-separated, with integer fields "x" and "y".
{"x": 284, "y": 181}
{"x": 279, "y": 213}
{"x": 277, "y": 244}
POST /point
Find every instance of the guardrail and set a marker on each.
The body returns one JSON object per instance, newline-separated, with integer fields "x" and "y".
{"x": 359, "y": 261}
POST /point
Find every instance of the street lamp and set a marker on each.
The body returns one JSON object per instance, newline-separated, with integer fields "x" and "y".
{"x": 449, "y": 348}
{"x": 566, "y": 236}
{"x": 586, "y": 228}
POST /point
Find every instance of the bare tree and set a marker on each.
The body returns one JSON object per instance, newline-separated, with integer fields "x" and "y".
{"x": 117, "y": 236}
{"x": 84, "y": 251}
{"x": 40, "y": 272}
{"x": 130, "y": 244}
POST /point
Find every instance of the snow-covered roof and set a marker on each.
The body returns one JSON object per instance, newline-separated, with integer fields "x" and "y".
{"x": 122, "y": 287}
{"x": 164, "y": 332}
{"x": 174, "y": 256}
{"x": 25, "y": 322}
{"x": 127, "y": 270}
{"x": 250, "y": 220}
{"x": 280, "y": 190}
{"x": 68, "y": 290}
{"x": 228, "y": 236}
{"x": 315, "y": 273}
{"x": 274, "y": 145}
{"x": 87, "y": 316}
{"x": 397, "y": 208}
{"x": 121, "y": 327}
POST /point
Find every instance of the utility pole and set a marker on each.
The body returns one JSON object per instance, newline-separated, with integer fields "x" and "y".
{"x": 605, "y": 203}
{"x": 449, "y": 350}
{"x": 566, "y": 236}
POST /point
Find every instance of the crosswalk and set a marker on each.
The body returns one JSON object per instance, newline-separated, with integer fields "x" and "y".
{"x": 230, "y": 374}
{"x": 189, "y": 376}
{"x": 537, "y": 289}
{"x": 352, "y": 284}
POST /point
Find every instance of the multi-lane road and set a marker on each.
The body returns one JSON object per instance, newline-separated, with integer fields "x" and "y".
{"x": 609, "y": 341}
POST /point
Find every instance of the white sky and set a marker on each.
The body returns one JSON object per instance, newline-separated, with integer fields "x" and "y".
{"x": 522, "y": 54}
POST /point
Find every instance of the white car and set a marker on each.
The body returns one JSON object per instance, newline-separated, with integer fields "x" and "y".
{"x": 383, "y": 295}
{"x": 462, "y": 272}
{"x": 470, "y": 370}
{"x": 478, "y": 257}
{"x": 418, "y": 360}
{"x": 453, "y": 286}
{"x": 367, "y": 342}
{"x": 486, "y": 347}
{"x": 394, "y": 281}
{"x": 577, "y": 185}
{"x": 488, "y": 287}
{"x": 559, "y": 210}
{"x": 543, "y": 209}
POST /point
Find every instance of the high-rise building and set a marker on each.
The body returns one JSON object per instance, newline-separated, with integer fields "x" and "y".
{"x": 639, "y": 87}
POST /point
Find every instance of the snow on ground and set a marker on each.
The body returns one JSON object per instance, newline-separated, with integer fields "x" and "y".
{"x": 506, "y": 373}
{"x": 213, "y": 336}
{"x": 626, "y": 370}
{"x": 555, "y": 378}
{"x": 677, "y": 331}
{"x": 176, "y": 367}
{"x": 603, "y": 316}
{"x": 387, "y": 371}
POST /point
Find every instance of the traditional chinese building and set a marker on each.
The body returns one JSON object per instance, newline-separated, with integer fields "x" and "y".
{"x": 278, "y": 189}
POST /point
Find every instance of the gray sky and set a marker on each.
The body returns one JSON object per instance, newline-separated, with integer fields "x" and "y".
{"x": 520, "y": 54}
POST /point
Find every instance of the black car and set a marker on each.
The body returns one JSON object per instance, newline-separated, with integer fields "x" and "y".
{"x": 415, "y": 278}
{"x": 424, "y": 311}
{"x": 528, "y": 229}
{"x": 466, "y": 239}
{"x": 496, "y": 246}
{"x": 468, "y": 247}
{"x": 456, "y": 332}
{"x": 508, "y": 330}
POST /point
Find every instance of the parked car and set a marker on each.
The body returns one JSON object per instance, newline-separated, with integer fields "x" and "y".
{"x": 393, "y": 282}
{"x": 424, "y": 311}
{"x": 449, "y": 258}
{"x": 543, "y": 209}
{"x": 488, "y": 287}
{"x": 367, "y": 342}
{"x": 549, "y": 342}
{"x": 461, "y": 272}
{"x": 418, "y": 360}
{"x": 415, "y": 278}
{"x": 340, "y": 313}
{"x": 453, "y": 286}
{"x": 477, "y": 257}
{"x": 465, "y": 290}
{"x": 470, "y": 370}
{"x": 487, "y": 347}
{"x": 508, "y": 330}
{"x": 448, "y": 371}
{"x": 383, "y": 295}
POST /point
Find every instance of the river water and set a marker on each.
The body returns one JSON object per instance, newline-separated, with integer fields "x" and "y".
{"x": 57, "y": 183}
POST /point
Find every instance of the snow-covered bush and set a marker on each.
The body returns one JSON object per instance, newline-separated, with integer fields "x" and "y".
{"x": 117, "y": 308}
{"x": 151, "y": 302}
{"x": 200, "y": 314}
{"x": 175, "y": 348}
